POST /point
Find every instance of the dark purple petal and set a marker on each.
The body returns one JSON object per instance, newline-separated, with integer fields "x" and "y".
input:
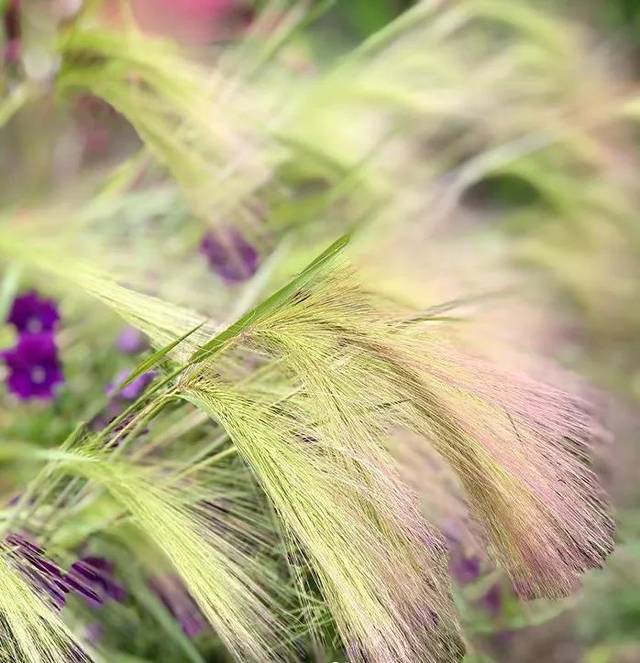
{"x": 229, "y": 254}
{"x": 465, "y": 568}
{"x": 34, "y": 367}
{"x": 21, "y": 541}
{"x": 92, "y": 578}
{"x": 44, "y": 575}
{"x": 465, "y": 564}
{"x": 32, "y": 314}
{"x": 83, "y": 590}
{"x": 492, "y": 600}
{"x": 89, "y": 577}
{"x": 130, "y": 341}
{"x": 97, "y": 563}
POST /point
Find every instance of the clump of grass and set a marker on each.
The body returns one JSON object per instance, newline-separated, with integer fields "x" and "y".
{"x": 314, "y": 388}
{"x": 31, "y": 629}
{"x": 312, "y": 384}
{"x": 177, "y": 516}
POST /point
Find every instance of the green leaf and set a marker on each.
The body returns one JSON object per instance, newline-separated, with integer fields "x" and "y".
{"x": 271, "y": 303}
{"x": 368, "y": 16}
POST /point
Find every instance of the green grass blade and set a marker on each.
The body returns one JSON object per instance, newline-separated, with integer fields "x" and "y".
{"x": 157, "y": 357}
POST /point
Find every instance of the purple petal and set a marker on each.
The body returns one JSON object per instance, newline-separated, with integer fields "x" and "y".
{"x": 229, "y": 254}
{"x": 92, "y": 578}
{"x": 34, "y": 367}
{"x": 132, "y": 390}
{"x": 32, "y": 314}
{"x": 465, "y": 569}
{"x": 492, "y": 600}
{"x": 130, "y": 341}
{"x": 43, "y": 574}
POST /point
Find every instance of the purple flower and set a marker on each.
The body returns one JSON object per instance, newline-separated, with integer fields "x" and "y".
{"x": 229, "y": 255}
{"x": 465, "y": 568}
{"x": 492, "y": 600}
{"x": 92, "y": 579}
{"x": 89, "y": 577}
{"x": 41, "y": 573}
{"x": 172, "y": 592}
{"x": 32, "y": 314}
{"x": 34, "y": 368}
{"x": 464, "y": 564}
{"x": 133, "y": 389}
{"x": 130, "y": 341}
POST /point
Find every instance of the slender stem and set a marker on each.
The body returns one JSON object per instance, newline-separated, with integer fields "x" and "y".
{"x": 206, "y": 462}
{"x": 151, "y": 410}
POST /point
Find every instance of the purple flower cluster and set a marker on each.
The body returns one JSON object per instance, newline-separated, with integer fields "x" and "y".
{"x": 33, "y": 364}
{"x": 229, "y": 254}
{"x": 130, "y": 341}
{"x": 44, "y": 575}
{"x": 91, "y": 578}
{"x": 32, "y": 314}
{"x": 492, "y": 600}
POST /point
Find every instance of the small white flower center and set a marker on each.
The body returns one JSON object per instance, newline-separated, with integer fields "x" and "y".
{"x": 34, "y": 325}
{"x": 38, "y": 375}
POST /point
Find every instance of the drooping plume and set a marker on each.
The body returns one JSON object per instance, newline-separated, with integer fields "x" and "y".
{"x": 227, "y": 585}
{"x": 339, "y": 372}
{"x": 381, "y": 569}
{"x": 519, "y": 447}
{"x": 32, "y": 630}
